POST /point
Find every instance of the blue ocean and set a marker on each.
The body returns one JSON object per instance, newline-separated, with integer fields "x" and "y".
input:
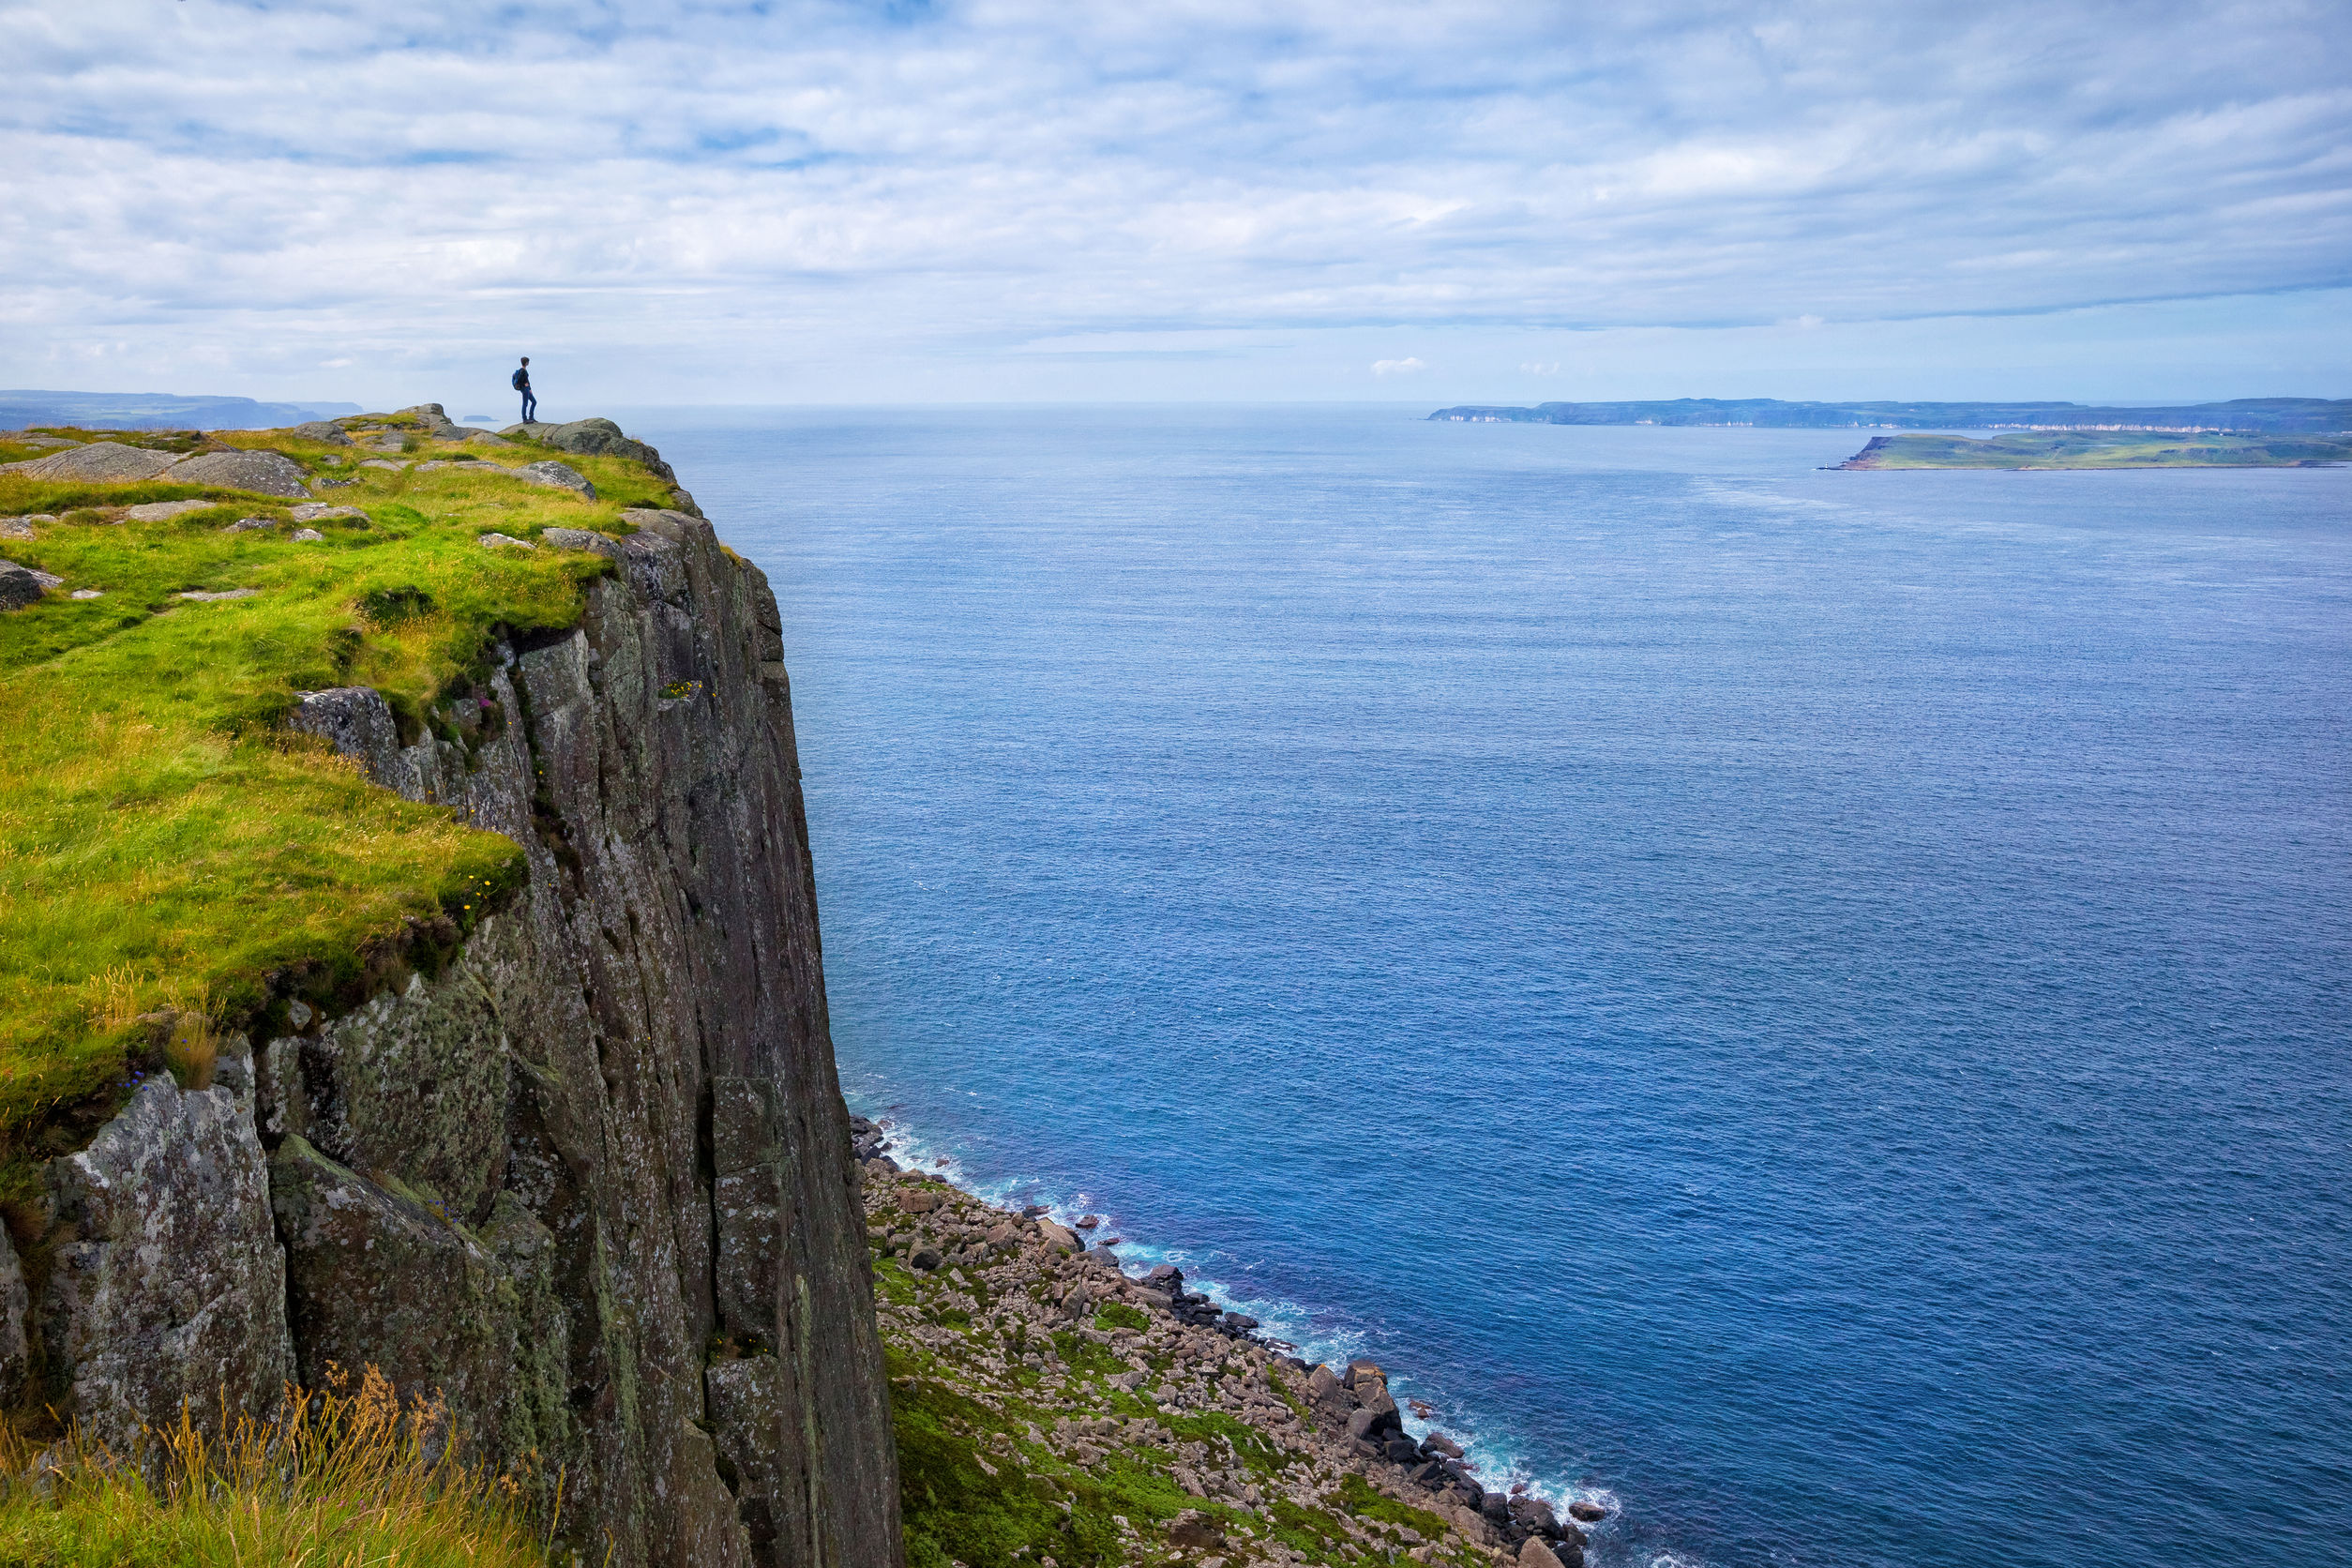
{"x": 1810, "y": 1006}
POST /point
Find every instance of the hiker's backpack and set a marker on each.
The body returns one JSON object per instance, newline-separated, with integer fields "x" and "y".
{"x": 517, "y": 381}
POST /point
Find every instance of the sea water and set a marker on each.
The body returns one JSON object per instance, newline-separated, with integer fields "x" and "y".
{"x": 1812, "y": 1005}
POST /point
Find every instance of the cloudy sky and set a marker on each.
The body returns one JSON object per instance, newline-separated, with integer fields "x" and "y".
{"x": 1433, "y": 200}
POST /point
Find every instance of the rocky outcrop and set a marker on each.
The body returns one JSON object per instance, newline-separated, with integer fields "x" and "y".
{"x": 105, "y": 460}
{"x": 562, "y": 476}
{"x": 602, "y": 437}
{"x": 583, "y": 1167}
{"x": 261, "y": 473}
{"x": 166, "y": 1284}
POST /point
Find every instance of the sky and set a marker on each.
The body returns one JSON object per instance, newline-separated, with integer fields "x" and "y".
{"x": 1441, "y": 201}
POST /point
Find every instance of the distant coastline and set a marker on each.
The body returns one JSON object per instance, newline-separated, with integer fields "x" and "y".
{"x": 2021, "y": 450}
{"x": 27, "y": 408}
{"x": 2244, "y": 415}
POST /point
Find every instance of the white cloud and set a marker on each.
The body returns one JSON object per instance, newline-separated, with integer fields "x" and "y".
{"x": 738, "y": 200}
{"x": 1397, "y": 366}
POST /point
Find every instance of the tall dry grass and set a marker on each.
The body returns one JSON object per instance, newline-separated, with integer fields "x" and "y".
{"x": 340, "y": 1478}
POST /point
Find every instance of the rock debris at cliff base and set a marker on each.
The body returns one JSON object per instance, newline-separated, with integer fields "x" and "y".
{"x": 1049, "y": 1409}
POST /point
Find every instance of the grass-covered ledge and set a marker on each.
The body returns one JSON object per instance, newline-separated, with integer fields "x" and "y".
{"x": 165, "y": 843}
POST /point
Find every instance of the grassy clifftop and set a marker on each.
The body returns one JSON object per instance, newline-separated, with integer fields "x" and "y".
{"x": 165, "y": 843}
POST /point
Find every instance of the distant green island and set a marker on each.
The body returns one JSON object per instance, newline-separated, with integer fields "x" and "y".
{"x": 2243, "y": 416}
{"x": 2022, "y": 449}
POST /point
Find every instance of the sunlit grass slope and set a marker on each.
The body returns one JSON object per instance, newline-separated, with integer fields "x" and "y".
{"x": 343, "y": 1479}
{"x": 164, "y": 843}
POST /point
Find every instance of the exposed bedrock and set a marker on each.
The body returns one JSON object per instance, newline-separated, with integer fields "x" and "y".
{"x": 588, "y": 1172}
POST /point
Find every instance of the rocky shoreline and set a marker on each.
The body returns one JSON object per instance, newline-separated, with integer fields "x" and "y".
{"x": 1116, "y": 1418}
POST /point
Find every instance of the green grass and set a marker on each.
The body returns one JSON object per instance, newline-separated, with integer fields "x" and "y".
{"x": 165, "y": 844}
{"x": 2102, "y": 449}
{"x": 345, "y": 1480}
{"x": 1119, "y": 1315}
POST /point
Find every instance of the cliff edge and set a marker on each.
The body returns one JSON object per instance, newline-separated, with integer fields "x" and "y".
{"x": 565, "y": 1143}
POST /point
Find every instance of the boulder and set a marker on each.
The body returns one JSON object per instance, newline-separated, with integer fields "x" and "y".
{"x": 21, "y": 527}
{"x": 920, "y": 1201}
{"x": 1533, "y": 1512}
{"x": 1374, "y": 1426}
{"x": 1056, "y": 1235}
{"x": 166, "y": 1287}
{"x": 1194, "y": 1530}
{"x": 157, "y": 511}
{"x": 1496, "y": 1509}
{"x": 19, "y": 586}
{"x": 603, "y": 438}
{"x": 605, "y": 545}
{"x": 1402, "y": 1450}
{"x": 321, "y": 430}
{"x": 1587, "y": 1511}
{"x": 1373, "y": 1398}
{"x": 316, "y": 511}
{"x": 925, "y": 1257}
{"x": 1361, "y": 1369}
{"x": 247, "y": 525}
{"x": 1534, "y": 1554}
{"x": 305, "y": 536}
{"x": 262, "y": 473}
{"x": 435, "y": 422}
{"x": 206, "y": 596}
{"x": 1438, "y": 1443}
{"x": 106, "y": 461}
{"x": 557, "y": 476}
{"x": 495, "y": 541}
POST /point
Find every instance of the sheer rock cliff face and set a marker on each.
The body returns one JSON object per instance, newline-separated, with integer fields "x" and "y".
{"x": 589, "y": 1172}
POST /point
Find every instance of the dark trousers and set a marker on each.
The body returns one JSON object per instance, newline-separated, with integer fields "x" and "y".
{"x": 530, "y": 405}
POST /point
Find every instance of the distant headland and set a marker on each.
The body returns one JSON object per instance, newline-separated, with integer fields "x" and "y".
{"x": 2024, "y": 449}
{"x": 2244, "y": 415}
{"x": 22, "y": 409}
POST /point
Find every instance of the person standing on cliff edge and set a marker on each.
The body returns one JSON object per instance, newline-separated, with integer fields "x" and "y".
{"x": 521, "y": 383}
